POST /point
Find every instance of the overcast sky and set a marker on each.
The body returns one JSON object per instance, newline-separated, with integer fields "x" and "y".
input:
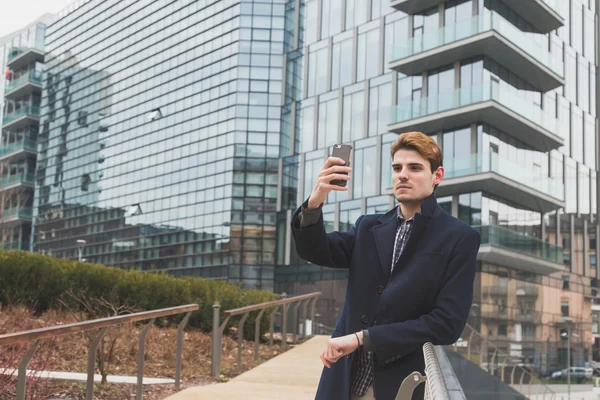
{"x": 16, "y": 14}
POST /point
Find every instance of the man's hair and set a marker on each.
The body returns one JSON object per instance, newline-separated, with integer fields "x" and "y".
{"x": 422, "y": 144}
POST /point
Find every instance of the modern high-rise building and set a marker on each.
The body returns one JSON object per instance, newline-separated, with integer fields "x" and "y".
{"x": 182, "y": 136}
{"x": 21, "y": 60}
{"x": 160, "y": 137}
{"x": 508, "y": 90}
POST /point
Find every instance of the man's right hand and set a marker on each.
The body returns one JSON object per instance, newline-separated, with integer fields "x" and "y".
{"x": 333, "y": 169}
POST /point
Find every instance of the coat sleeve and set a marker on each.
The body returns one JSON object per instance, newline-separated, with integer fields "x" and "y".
{"x": 313, "y": 244}
{"x": 443, "y": 325}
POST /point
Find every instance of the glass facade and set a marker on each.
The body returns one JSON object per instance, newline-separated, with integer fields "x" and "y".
{"x": 21, "y": 62}
{"x": 160, "y": 137}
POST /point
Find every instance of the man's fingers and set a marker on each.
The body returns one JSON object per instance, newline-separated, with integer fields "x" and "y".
{"x": 330, "y": 177}
{"x": 325, "y": 362}
{"x": 333, "y": 161}
{"x": 334, "y": 169}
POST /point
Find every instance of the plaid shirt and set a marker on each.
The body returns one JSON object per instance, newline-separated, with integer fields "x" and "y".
{"x": 362, "y": 366}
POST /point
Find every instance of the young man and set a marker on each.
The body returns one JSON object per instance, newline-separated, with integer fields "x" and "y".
{"x": 410, "y": 280}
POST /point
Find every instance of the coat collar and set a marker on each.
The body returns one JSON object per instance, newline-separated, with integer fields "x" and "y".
{"x": 385, "y": 233}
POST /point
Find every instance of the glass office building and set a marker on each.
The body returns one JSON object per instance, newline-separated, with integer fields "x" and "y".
{"x": 160, "y": 137}
{"x": 182, "y": 137}
{"x": 508, "y": 91}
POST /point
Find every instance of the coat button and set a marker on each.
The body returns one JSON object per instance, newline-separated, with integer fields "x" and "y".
{"x": 380, "y": 289}
{"x": 364, "y": 319}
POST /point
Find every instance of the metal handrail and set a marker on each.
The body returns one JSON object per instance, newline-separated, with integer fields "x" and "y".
{"x": 284, "y": 303}
{"x": 102, "y": 324}
{"x": 435, "y": 384}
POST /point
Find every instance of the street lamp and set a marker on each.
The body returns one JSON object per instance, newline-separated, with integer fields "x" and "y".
{"x": 568, "y": 335}
{"x": 80, "y": 246}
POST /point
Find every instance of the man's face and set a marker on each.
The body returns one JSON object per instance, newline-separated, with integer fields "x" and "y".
{"x": 412, "y": 177}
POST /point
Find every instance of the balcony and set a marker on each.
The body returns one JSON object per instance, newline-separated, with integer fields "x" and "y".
{"x": 24, "y": 85}
{"x": 21, "y": 117}
{"x": 21, "y": 56}
{"x": 493, "y": 174}
{"x": 490, "y": 102}
{"x": 543, "y": 15}
{"x": 487, "y": 35}
{"x": 17, "y": 213}
{"x": 527, "y": 291}
{"x": 17, "y": 180}
{"x": 494, "y": 290}
{"x": 512, "y": 314}
{"x": 515, "y": 250}
{"x": 17, "y": 149}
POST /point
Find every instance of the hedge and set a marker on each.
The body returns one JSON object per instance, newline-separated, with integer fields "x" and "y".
{"x": 42, "y": 282}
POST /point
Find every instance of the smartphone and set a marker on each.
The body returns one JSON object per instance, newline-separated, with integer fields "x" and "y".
{"x": 341, "y": 151}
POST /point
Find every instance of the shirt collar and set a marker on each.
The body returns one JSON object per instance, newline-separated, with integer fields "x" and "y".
{"x": 401, "y": 217}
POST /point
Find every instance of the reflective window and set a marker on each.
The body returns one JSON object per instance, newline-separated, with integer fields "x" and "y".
{"x": 317, "y": 75}
{"x": 331, "y": 18}
{"x": 356, "y": 13}
{"x": 380, "y": 101}
{"x": 365, "y": 183}
{"x": 396, "y": 33}
{"x": 353, "y": 116}
{"x": 328, "y": 122}
{"x": 367, "y": 55}
{"x": 341, "y": 63}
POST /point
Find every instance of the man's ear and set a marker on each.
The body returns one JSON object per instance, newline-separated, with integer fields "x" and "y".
{"x": 438, "y": 175}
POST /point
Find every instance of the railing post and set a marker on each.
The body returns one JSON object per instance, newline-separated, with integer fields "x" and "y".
{"x": 141, "y": 358}
{"x": 303, "y": 316}
{"x": 216, "y": 342}
{"x": 512, "y": 375}
{"x": 295, "y": 320}
{"x": 312, "y": 315}
{"x": 469, "y": 347}
{"x": 22, "y": 379}
{"x": 180, "y": 328}
{"x": 493, "y": 362}
{"x": 521, "y": 380}
{"x": 257, "y": 333}
{"x": 272, "y": 326}
{"x": 502, "y": 370}
{"x": 241, "y": 340}
{"x": 284, "y": 313}
{"x": 92, "y": 348}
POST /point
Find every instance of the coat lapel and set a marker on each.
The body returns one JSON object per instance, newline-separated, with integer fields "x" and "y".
{"x": 385, "y": 234}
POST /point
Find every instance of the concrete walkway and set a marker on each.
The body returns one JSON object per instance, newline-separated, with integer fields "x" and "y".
{"x": 293, "y": 375}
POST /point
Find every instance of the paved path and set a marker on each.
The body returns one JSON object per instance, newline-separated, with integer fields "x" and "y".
{"x": 578, "y": 392}
{"x": 293, "y": 375}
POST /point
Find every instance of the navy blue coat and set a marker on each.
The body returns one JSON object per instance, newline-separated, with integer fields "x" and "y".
{"x": 426, "y": 299}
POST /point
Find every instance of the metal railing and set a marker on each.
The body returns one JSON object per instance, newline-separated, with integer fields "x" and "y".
{"x": 506, "y": 367}
{"x": 284, "y": 303}
{"x": 435, "y": 384}
{"x": 101, "y": 324}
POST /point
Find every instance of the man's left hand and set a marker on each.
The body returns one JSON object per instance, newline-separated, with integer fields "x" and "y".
{"x": 338, "y": 347}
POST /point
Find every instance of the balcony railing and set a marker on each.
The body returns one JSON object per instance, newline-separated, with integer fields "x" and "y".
{"x": 16, "y": 51}
{"x": 492, "y": 162}
{"x": 26, "y": 178}
{"x": 488, "y": 21}
{"x": 495, "y": 290}
{"x": 515, "y": 241}
{"x": 27, "y": 110}
{"x": 503, "y": 94}
{"x": 17, "y": 212}
{"x": 24, "y": 144}
{"x": 31, "y": 76}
